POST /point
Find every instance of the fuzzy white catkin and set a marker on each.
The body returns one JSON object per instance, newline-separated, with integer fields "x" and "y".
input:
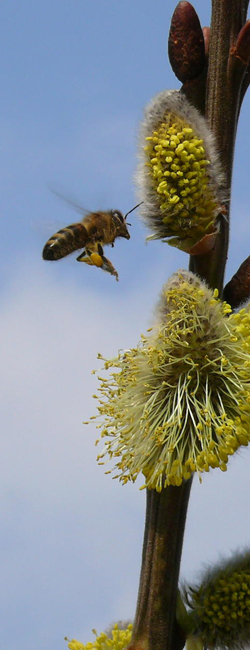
{"x": 176, "y": 103}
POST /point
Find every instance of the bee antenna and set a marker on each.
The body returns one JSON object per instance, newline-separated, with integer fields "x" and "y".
{"x": 136, "y": 206}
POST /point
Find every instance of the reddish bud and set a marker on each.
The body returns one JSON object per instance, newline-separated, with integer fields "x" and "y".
{"x": 206, "y": 36}
{"x": 186, "y": 48}
{"x": 205, "y": 245}
{"x": 237, "y": 290}
{"x": 241, "y": 49}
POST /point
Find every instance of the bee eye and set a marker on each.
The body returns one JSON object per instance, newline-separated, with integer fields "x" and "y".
{"x": 119, "y": 215}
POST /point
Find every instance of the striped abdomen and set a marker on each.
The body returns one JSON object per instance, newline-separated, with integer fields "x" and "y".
{"x": 65, "y": 241}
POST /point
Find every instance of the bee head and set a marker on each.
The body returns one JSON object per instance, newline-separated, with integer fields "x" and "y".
{"x": 120, "y": 221}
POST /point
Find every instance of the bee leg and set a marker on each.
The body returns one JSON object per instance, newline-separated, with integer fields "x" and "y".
{"x": 85, "y": 256}
{"x": 107, "y": 266}
{"x": 81, "y": 256}
{"x": 94, "y": 258}
{"x": 100, "y": 250}
{"x": 91, "y": 257}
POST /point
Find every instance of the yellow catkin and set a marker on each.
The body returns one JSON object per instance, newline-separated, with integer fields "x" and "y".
{"x": 179, "y": 171}
{"x": 179, "y": 176}
{"x": 116, "y": 639}
{"x": 220, "y": 604}
{"x": 179, "y": 402}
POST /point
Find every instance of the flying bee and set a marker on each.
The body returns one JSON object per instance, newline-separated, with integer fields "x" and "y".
{"x": 97, "y": 229}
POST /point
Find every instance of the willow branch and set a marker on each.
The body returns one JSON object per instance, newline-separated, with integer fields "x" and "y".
{"x": 155, "y": 627}
{"x": 226, "y": 74}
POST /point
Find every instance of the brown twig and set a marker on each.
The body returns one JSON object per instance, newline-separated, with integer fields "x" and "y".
{"x": 226, "y": 73}
{"x": 164, "y": 529}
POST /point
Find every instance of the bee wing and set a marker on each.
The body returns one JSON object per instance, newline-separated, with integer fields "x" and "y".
{"x": 44, "y": 227}
{"x": 70, "y": 201}
{"x": 96, "y": 220}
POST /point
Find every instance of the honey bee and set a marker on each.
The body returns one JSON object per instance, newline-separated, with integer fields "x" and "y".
{"x": 97, "y": 229}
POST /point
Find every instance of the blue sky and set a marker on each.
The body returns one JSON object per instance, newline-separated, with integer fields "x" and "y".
{"x": 75, "y": 77}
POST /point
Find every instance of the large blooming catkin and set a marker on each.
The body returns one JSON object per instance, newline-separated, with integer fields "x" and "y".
{"x": 180, "y": 401}
{"x": 116, "y": 638}
{"x": 219, "y": 604}
{"x": 179, "y": 177}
